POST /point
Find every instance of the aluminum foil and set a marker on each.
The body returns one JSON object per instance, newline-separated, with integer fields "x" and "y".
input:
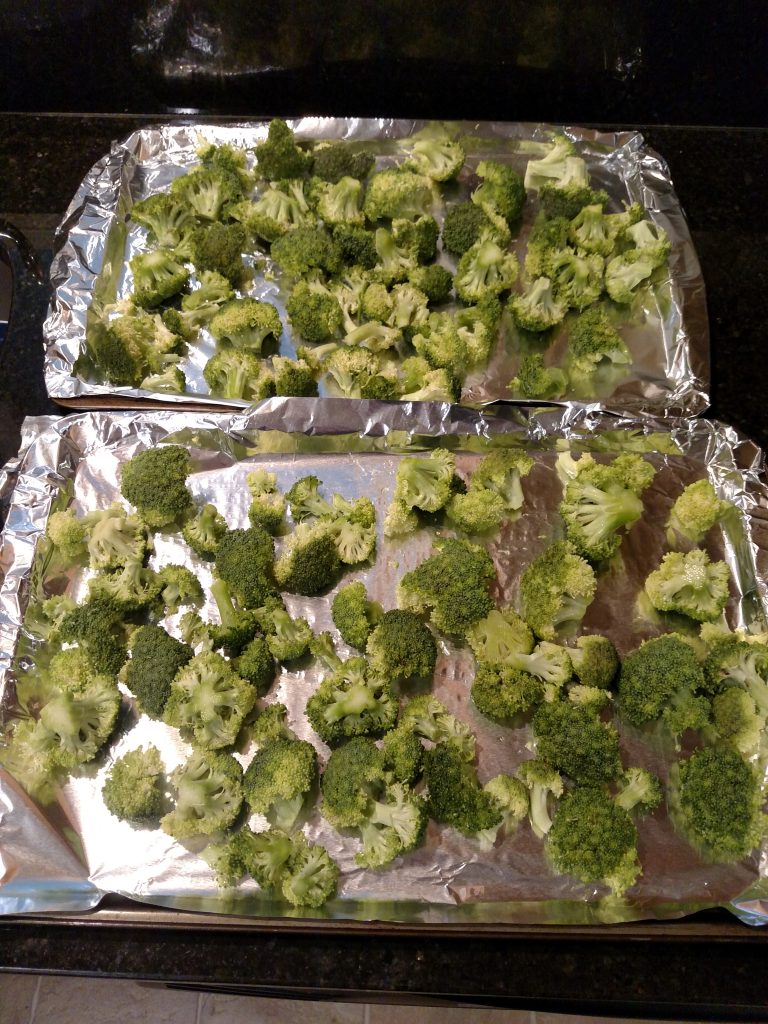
{"x": 668, "y": 337}
{"x": 66, "y": 855}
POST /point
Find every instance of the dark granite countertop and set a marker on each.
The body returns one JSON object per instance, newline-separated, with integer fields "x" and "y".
{"x": 708, "y": 967}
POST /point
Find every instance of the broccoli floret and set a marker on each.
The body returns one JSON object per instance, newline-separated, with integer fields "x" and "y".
{"x": 559, "y": 166}
{"x": 463, "y": 226}
{"x": 455, "y": 797}
{"x": 155, "y": 481}
{"x": 501, "y": 471}
{"x": 577, "y": 277}
{"x": 715, "y": 799}
{"x": 29, "y": 755}
{"x": 348, "y": 368}
{"x": 592, "y": 232}
{"x": 403, "y": 754}
{"x": 69, "y": 534}
{"x": 594, "y": 839}
{"x": 166, "y": 219}
{"x": 695, "y": 512}
{"x": 157, "y": 276}
{"x": 314, "y": 312}
{"x": 97, "y": 628}
{"x": 537, "y": 309}
{"x": 354, "y": 615}
{"x": 502, "y": 190}
{"x": 396, "y": 824}
{"x": 262, "y": 855}
{"x": 398, "y": 193}
{"x": 600, "y": 500}
{"x": 393, "y": 262}
{"x": 132, "y": 790}
{"x": 439, "y": 341}
{"x": 625, "y": 273}
{"x": 502, "y": 692}
{"x": 354, "y": 772}
{"x": 511, "y": 798}
{"x": 573, "y": 740}
{"x": 294, "y": 377}
{"x": 535, "y": 380}
{"x": 309, "y": 562}
{"x": 305, "y": 250}
{"x": 279, "y": 156}
{"x": 356, "y": 245}
{"x": 352, "y": 702}
{"x": 246, "y": 324}
{"x": 256, "y": 665}
{"x": 452, "y": 585}
{"x": 171, "y": 381}
{"x": 402, "y": 647}
{"x": 433, "y": 152}
{"x": 417, "y": 238}
{"x": 267, "y": 508}
{"x": 736, "y": 720}
{"x": 478, "y": 328}
{"x": 568, "y": 201}
{"x": 219, "y": 247}
{"x": 556, "y": 590}
{"x": 271, "y": 725}
{"x": 209, "y": 701}
{"x": 689, "y": 583}
{"x": 409, "y": 308}
{"x": 480, "y": 510}
{"x": 662, "y": 679}
{"x": 341, "y": 202}
{"x": 311, "y": 876}
{"x": 485, "y": 269}
{"x": 336, "y": 160}
{"x": 130, "y": 589}
{"x": 594, "y": 346}
{"x": 227, "y": 157}
{"x": 735, "y": 662}
{"x": 209, "y": 795}
{"x": 422, "y": 483}
{"x": 134, "y": 344}
{"x": 238, "y": 373}
{"x": 436, "y": 386}
{"x": 499, "y": 635}
{"x": 542, "y": 782}
{"x": 595, "y": 661}
{"x": 427, "y": 717}
{"x": 639, "y": 789}
{"x": 276, "y": 211}
{"x": 155, "y": 660}
{"x": 237, "y": 627}
{"x": 651, "y": 239}
{"x": 278, "y": 779}
{"x": 80, "y": 720}
{"x": 207, "y": 191}
{"x": 180, "y": 587}
{"x": 287, "y": 638}
{"x": 204, "y": 530}
{"x": 244, "y": 561}
{"x": 546, "y": 236}
{"x": 434, "y": 280}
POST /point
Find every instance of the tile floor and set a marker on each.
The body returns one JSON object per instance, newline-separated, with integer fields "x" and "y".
{"x": 29, "y": 999}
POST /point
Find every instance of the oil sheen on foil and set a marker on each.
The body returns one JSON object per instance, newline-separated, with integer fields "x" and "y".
{"x": 67, "y": 855}
{"x": 668, "y": 337}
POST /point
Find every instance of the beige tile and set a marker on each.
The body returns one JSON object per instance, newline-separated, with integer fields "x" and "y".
{"x": 222, "y": 1009}
{"x": 448, "y": 1015}
{"x": 93, "y": 1001}
{"x": 17, "y": 996}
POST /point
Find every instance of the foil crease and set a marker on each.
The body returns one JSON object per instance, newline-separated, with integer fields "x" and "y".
{"x": 669, "y": 338}
{"x": 67, "y": 855}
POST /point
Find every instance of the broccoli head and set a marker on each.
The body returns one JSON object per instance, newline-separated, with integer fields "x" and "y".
{"x": 455, "y": 796}
{"x": 556, "y": 590}
{"x": 402, "y": 647}
{"x": 246, "y": 324}
{"x": 426, "y": 716}
{"x": 352, "y": 701}
{"x": 209, "y": 701}
{"x": 574, "y": 741}
{"x": 157, "y": 276}
{"x": 309, "y": 563}
{"x": 695, "y": 512}
{"x": 133, "y": 790}
{"x": 204, "y": 530}
{"x": 278, "y": 156}
{"x": 278, "y": 779}
{"x": 155, "y": 482}
{"x": 336, "y": 160}
{"x": 156, "y": 657}
{"x": 209, "y": 795}
{"x": 398, "y": 193}
{"x": 354, "y": 615}
{"x": 690, "y": 584}
{"x": 244, "y": 560}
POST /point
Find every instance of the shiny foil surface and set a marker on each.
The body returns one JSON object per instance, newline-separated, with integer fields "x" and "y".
{"x": 668, "y": 337}
{"x": 68, "y": 854}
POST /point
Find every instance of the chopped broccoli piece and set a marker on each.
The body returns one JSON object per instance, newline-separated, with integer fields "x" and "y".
{"x": 537, "y": 309}
{"x": 218, "y": 248}
{"x": 314, "y": 312}
{"x": 434, "y": 280}
{"x": 156, "y": 657}
{"x": 695, "y": 512}
{"x": 650, "y": 239}
{"x": 204, "y": 530}
{"x": 577, "y": 277}
{"x": 556, "y": 590}
{"x": 736, "y": 720}
{"x": 237, "y": 627}
{"x": 595, "y": 661}
{"x": 455, "y": 797}
{"x": 546, "y": 236}
{"x": 238, "y": 373}
{"x": 287, "y": 638}
{"x": 307, "y": 249}
{"x": 501, "y": 192}
{"x": 69, "y": 534}
{"x": 166, "y": 219}
{"x": 309, "y": 562}
{"x": 354, "y": 615}
{"x": 434, "y": 153}
{"x": 690, "y": 584}
{"x": 155, "y": 481}
{"x": 398, "y": 193}
{"x": 80, "y": 720}
{"x": 341, "y": 202}
{"x": 502, "y": 691}
{"x": 452, "y": 585}
{"x": 244, "y": 561}
{"x": 278, "y": 780}
{"x": 511, "y": 798}
{"x": 267, "y": 508}
{"x": 256, "y": 665}
{"x": 417, "y": 238}
{"x": 421, "y": 483}
{"x": 97, "y": 628}
{"x": 30, "y": 756}
{"x": 356, "y": 245}
{"x": 180, "y": 587}
{"x": 279, "y": 156}
{"x": 498, "y": 636}
{"x": 171, "y": 381}
{"x": 130, "y": 589}
{"x": 428, "y": 717}
{"x": 486, "y": 268}
{"x": 402, "y": 647}
{"x": 403, "y": 754}
{"x": 209, "y": 701}
{"x": 639, "y": 789}
{"x": 463, "y": 226}
{"x": 351, "y": 702}
{"x": 336, "y": 160}
{"x": 542, "y": 782}
{"x": 277, "y": 211}
{"x": 157, "y": 276}
{"x": 293, "y": 377}
{"x": 535, "y": 380}
{"x": 246, "y": 324}
{"x": 567, "y": 201}
{"x": 574, "y": 741}
{"x": 132, "y": 790}
{"x": 480, "y": 510}
{"x": 560, "y": 166}
{"x": 501, "y": 471}
{"x": 311, "y": 876}
{"x": 625, "y": 273}
{"x": 209, "y": 795}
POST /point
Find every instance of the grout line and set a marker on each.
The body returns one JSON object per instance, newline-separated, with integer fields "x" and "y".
{"x": 35, "y": 999}
{"x": 199, "y": 1009}
{"x": 367, "y": 1014}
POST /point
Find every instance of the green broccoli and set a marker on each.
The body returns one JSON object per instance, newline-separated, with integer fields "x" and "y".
{"x": 341, "y": 202}
{"x": 426, "y": 716}
{"x": 485, "y": 269}
{"x": 351, "y": 702}
{"x": 180, "y": 587}
{"x": 267, "y": 508}
{"x": 478, "y": 511}
{"x": 166, "y": 219}
{"x": 452, "y": 585}
{"x": 204, "y": 530}
{"x": 567, "y": 201}
{"x": 736, "y": 720}
{"x": 695, "y": 511}
{"x": 393, "y": 262}
{"x": 287, "y": 638}
{"x": 157, "y": 276}
{"x": 271, "y": 725}
{"x": 97, "y": 627}
{"x": 639, "y": 789}
{"x": 218, "y": 248}
{"x": 502, "y": 692}
{"x": 131, "y": 588}
{"x": 546, "y": 237}
{"x": 277, "y": 211}
{"x": 354, "y": 615}
{"x": 439, "y": 341}
{"x": 715, "y": 799}
{"x": 593, "y": 232}
{"x": 577, "y": 277}
{"x": 537, "y": 381}
{"x": 156, "y": 657}
{"x": 556, "y": 590}
{"x": 403, "y": 754}
{"x": 401, "y": 647}
{"x": 434, "y": 280}
{"x": 501, "y": 192}
{"x": 594, "y": 347}
{"x": 244, "y": 561}
{"x": 542, "y": 783}
{"x": 309, "y": 562}
{"x": 594, "y": 839}
{"x": 155, "y": 482}
{"x": 499, "y": 635}
{"x": 171, "y": 381}
{"x": 455, "y": 797}
{"x": 595, "y": 661}
{"x": 208, "y": 191}
{"x": 314, "y": 312}
{"x": 68, "y": 533}
{"x": 237, "y": 626}
{"x": 501, "y": 471}
{"x": 29, "y": 754}
{"x": 246, "y": 324}
{"x": 347, "y": 369}
{"x": 625, "y": 273}
{"x": 538, "y": 309}
{"x": 735, "y": 662}
{"x": 264, "y": 855}
{"x": 209, "y": 795}
{"x": 339, "y": 159}
{"x": 306, "y": 249}
{"x": 133, "y": 790}
{"x": 395, "y": 824}
{"x": 238, "y": 373}
{"x": 649, "y": 238}
{"x": 434, "y": 153}
{"x": 559, "y": 166}
{"x": 417, "y": 238}
{"x": 422, "y": 483}
{"x": 278, "y": 780}
{"x": 305, "y": 502}
{"x": 690, "y": 584}
{"x": 511, "y": 798}
{"x": 397, "y": 193}
{"x": 311, "y": 876}
{"x": 80, "y": 719}
{"x": 662, "y": 679}
{"x": 279, "y": 156}
{"x": 293, "y": 377}
{"x": 463, "y": 226}
{"x": 209, "y": 701}
{"x": 575, "y": 742}
{"x": 256, "y": 665}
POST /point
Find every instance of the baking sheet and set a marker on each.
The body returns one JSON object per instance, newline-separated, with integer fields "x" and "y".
{"x": 668, "y": 336}
{"x": 67, "y": 855}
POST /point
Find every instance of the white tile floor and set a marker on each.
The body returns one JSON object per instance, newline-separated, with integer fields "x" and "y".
{"x": 29, "y": 999}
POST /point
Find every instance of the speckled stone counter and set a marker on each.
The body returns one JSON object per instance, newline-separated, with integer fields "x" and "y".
{"x": 708, "y": 967}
